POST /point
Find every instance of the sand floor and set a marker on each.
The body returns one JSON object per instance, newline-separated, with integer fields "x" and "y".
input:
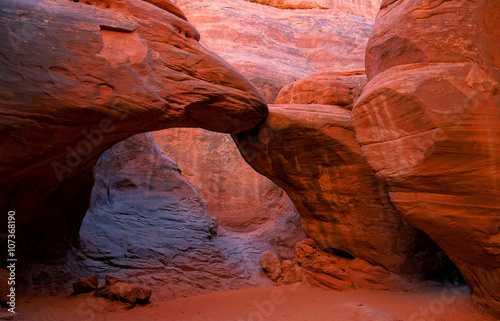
{"x": 290, "y": 303}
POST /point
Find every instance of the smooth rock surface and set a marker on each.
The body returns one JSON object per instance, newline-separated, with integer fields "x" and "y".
{"x": 312, "y": 153}
{"x": 78, "y": 77}
{"x": 325, "y": 88}
{"x": 428, "y": 125}
{"x": 448, "y": 31}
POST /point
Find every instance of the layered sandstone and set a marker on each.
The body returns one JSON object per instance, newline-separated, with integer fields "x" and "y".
{"x": 325, "y": 88}
{"x": 274, "y": 46}
{"x": 428, "y": 125}
{"x": 311, "y": 152}
{"x": 148, "y": 223}
{"x": 78, "y": 77}
{"x": 365, "y": 8}
{"x": 241, "y": 199}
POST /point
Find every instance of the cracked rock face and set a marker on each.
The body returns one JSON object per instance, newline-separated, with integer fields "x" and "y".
{"x": 78, "y": 77}
{"x": 428, "y": 124}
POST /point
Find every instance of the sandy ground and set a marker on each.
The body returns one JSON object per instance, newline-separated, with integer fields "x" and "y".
{"x": 291, "y": 303}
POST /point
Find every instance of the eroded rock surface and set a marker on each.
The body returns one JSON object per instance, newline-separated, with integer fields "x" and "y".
{"x": 274, "y": 46}
{"x": 78, "y": 77}
{"x": 312, "y": 153}
{"x": 362, "y": 8}
{"x": 332, "y": 271}
{"x": 148, "y": 224}
{"x": 428, "y": 125}
{"x": 241, "y": 199}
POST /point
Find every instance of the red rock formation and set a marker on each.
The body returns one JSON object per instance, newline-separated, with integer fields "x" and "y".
{"x": 312, "y": 153}
{"x": 362, "y": 8}
{"x": 148, "y": 223}
{"x": 330, "y": 271}
{"x": 428, "y": 124}
{"x": 241, "y": 199}
{"x": 325, "y": 88}
{"x": 78, "y": 77}
{"x": 274, "y": 46}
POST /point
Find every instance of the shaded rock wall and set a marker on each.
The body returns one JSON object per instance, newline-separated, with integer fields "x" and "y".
{"x": 241, "y": 199}
{"x": 428, "y": 124}
{"x": 76, "y": 78}
{"x": 148, "y": 223}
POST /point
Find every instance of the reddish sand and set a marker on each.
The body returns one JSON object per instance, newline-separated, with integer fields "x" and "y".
{"x": 291, "y": 303}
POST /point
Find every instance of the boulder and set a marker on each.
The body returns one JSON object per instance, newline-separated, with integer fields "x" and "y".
{"x": 291, "y": 272}
{"x": 88, "y": 284}
{"x": 78, "y": 77}
{"x": 119, "y": 290}
{"x": 271, "y": 265}
{"x": 428, "y": 123}
{"x": 325, "y": 88}
{"x": 110, "y": 280}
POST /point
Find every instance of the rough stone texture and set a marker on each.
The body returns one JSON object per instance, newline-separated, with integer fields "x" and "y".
{"x": 119, "y": 290}
{"x": 86, "y": 285}
{"x": 428, "y": 124}
{"x": 111, "y": 279}
{"x": 273, "y": 46}
{"x": 241, "y": 199}
{"x": 147, "y": 224}
{"x": 331, "y": 271}
{"x": 325, "y": 88}
{"x": 291, "y": 272}
{"x": 271, "y": 264}
{"x": 312, "y": 153}
{"x": 76, "y": 78}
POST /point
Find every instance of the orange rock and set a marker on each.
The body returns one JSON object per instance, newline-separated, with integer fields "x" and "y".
{"x": 325, "y": 88}
{"x": 271, "y": 265}
{"x": 453, "y": 31}
{"x": 312, "y": 153}
{"x": 331, "y": 271}
{"x": 428, "y": 124}
{"x": 241, "y": 199}
{"x": 274, "y": 46}
{"x": 77, "y": 77}
{"x": 362, "y": 8}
